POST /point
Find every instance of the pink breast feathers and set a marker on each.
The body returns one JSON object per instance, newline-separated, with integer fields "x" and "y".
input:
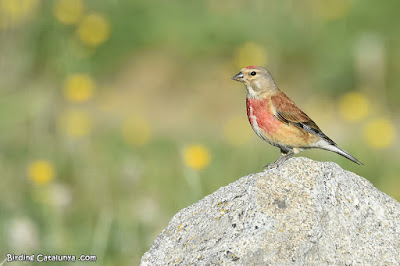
{"x": 261, "y": 117}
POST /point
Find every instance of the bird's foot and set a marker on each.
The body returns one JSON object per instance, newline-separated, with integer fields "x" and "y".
{"x": 278, "y": 163}
{"x": 271, "y": 166}
{"x": 274, "y": 165}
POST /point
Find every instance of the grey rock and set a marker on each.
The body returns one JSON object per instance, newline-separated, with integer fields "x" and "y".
{"x": 304, "y": 213}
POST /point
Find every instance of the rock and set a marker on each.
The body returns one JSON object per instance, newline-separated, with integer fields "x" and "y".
{"x": 305, "y": 213}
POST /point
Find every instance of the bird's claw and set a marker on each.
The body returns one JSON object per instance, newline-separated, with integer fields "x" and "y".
{"x": 278, "y": 163}
{"x": 271, "y": 166}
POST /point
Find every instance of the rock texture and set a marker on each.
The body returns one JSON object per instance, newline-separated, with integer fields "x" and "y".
{"x": 305, "y": 213}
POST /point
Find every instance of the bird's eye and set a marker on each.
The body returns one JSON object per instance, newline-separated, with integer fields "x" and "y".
{"x": 253, "y": 73}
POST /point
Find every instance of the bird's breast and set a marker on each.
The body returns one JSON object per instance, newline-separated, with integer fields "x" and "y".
{"x": 261, "y": 117}
{"x": 264, "y": 123}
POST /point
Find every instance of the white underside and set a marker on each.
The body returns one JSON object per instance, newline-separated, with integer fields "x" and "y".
{"x": 323, "y": 144}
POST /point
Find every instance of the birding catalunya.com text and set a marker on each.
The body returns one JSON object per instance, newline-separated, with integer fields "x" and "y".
{"x": 47, "y": 258}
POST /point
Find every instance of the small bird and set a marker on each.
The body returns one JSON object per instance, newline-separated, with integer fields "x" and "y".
{"x": 276, "y": 119}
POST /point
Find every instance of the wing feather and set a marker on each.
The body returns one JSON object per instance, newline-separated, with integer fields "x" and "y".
{"x": 288, "y": 112}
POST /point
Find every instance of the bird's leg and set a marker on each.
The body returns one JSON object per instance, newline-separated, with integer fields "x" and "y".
{"x": 284, "y": 156}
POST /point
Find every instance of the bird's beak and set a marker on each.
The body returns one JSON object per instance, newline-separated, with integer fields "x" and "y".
{"x": 239, "y": 76}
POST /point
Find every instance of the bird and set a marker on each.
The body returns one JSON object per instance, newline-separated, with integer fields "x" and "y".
{"x": 276, "y": 119}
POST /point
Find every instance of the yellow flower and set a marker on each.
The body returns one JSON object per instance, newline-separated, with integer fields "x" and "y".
{"x": 379, "y": 133}
{"x": 41, "y": 172}
{"x": 75, "y": 123}
{"x": 79, "y": 87}
{"x": 353, "y": 106}
{"x": 332, "y": 10}
{"x": 237, "y": 131}
{"x": 136, "y": 131}
{"x": 68, "y": 11}
{"x": 13, "y": 12}
{"x": 250, "y": 54}
{"x": 94, "y": 30}
{"x": 196, "y": 156}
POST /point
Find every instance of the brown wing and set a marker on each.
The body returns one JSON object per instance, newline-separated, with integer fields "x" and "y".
{"x": 288, "y": 112}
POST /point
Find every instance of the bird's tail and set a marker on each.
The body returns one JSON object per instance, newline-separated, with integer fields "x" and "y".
{"x": 339, "y": 151}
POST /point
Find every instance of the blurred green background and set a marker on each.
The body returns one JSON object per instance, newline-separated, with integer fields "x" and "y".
{"x": 117, "y": 114}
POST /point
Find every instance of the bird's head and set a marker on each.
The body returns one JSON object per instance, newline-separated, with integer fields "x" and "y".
{"x": 257, "y": 80}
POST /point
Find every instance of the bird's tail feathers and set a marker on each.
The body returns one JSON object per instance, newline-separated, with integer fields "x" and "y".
{"x": 329, "y": 147}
